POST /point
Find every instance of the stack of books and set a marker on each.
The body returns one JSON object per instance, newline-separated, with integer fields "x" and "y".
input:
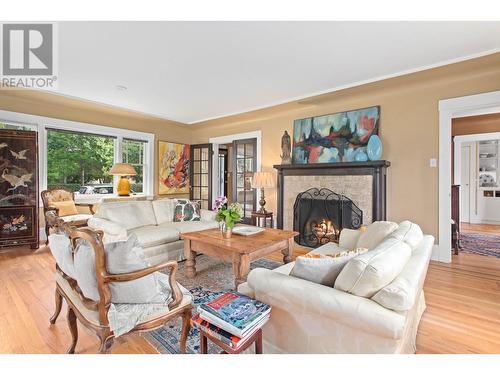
{"x": 232, "y": 318}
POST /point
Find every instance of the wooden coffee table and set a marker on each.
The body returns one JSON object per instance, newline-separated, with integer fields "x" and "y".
{"x": 239, "y": 250}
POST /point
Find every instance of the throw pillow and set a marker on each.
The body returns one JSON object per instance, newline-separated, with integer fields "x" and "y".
{"x": 66, "y": 208}
{"x": 366, "y": 274}
{"x": 375, "y": 233}
{"x": 186, "y": 210}
{"x": 323, "y": 268}
{"x": 121, "y": 257}
{"x": 164, "y": 210}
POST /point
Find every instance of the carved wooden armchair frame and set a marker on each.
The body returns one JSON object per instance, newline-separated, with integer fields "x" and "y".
{"x": 102, "y": 330}
{"x": 47, "y": 207}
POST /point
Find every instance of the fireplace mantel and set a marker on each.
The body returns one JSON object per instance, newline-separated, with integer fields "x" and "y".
{"x": 377, "y": 169}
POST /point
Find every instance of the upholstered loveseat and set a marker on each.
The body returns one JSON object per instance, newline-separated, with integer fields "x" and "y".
{"x": 308, "y": 317}
{"x": 152, "y": 223}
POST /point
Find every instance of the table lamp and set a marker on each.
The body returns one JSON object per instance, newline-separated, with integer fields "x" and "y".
{"x": 123, "y": 170}
{"x": 262, "y": 180}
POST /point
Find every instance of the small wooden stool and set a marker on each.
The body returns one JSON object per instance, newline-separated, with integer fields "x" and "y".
{"x": 257, "y": 217}
{"x": 255, "y": 338}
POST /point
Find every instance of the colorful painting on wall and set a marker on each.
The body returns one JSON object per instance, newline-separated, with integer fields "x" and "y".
{"x": 173, "y": 165}
{"x": 339, "y": 137}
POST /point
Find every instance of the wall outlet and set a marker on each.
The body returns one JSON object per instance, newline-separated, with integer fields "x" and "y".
{"x": 433, "y": 163}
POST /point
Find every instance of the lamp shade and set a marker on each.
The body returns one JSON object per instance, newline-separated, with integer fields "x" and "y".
{"x": 263, "y": 180}
{"x": 122, "y": 169}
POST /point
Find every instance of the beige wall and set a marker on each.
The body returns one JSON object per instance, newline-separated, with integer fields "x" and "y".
{"x": 408, "y": 128}
{"x": 56, "y": 106}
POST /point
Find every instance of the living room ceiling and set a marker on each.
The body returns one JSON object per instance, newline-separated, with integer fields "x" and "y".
{"x": 194, "y": 71}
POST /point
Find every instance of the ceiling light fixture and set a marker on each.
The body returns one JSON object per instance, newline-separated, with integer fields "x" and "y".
{"x": 121, "y": 88}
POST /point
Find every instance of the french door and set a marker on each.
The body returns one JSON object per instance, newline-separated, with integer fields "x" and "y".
{"x": 201, "y": 174}
{"x": 244, "y": 166}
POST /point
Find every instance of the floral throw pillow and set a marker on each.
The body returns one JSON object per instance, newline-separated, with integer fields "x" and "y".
{"x": 186, "y": 210}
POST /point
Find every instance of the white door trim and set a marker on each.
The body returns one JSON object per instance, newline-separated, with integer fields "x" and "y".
{"x": 471, "y": 105}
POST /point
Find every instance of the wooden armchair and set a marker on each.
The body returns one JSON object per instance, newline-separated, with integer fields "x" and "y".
{"x": 94, "y": 315}
{"x": 54, "y": 198}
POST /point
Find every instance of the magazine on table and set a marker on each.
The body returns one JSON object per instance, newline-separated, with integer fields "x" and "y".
{"x": 234, "y": 312}
{"x": 227, "y": 338}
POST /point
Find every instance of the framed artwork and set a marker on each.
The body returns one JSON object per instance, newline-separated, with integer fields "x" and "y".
{"x": 338, "y": 137}
{"x": 173, "y": 164}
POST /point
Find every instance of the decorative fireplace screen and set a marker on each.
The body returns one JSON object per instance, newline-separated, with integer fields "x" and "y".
{"x": 321, "y": 214}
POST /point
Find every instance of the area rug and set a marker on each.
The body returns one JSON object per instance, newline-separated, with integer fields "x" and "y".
{"x": 478, "y": 243}
{"x": 213, "y": 278}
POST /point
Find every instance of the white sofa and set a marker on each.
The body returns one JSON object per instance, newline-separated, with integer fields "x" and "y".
{"x": 152, "y": 223}
{"x": 312, "y": 318}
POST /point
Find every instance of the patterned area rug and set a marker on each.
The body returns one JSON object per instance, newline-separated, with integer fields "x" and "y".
{"x": 483, "y": 244}
{"x": 213, "y": 277}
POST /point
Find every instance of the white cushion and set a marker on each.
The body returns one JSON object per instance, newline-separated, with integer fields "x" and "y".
{"x": 190, "y": 226}
{"x": 130, "y": 214}
{"x": 322, "y": 269}
{"x": 401, "y": 294}
{"x": 164, "y": 210}
{"x": 408, "y": 232}
{"x": 153, "y": 235}
{"x": 61, "y": 250}
{"x": 349, "y": 238}
{"x": 375, "y": 234}
{"x": 366, "y": 274}
{"x": 121, "y": 257}
{"x": 77, "y": 217}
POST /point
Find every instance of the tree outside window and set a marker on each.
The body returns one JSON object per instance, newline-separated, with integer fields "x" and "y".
{"x": 78, "y": 159}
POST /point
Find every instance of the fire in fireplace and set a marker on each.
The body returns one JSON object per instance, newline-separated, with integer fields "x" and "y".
{"x": 321, "y": 214}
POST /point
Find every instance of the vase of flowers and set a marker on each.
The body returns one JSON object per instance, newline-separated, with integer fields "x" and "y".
{"x": 227, "y": 215}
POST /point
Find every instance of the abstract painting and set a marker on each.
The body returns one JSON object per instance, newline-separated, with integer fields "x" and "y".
{"x": 339, "y": 137}
{"x": 173, "y": 175}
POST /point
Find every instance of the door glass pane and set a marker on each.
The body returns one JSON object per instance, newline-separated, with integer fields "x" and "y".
{"x": 204, "y": 205}
{"x": 204, "y": 166}
{"x": 240, "y": 151}
{"x": 249, "y": 150}
{"x": 196, "y": 155}
{"x": 204, "y": 193}
{"x": 196, "y": 180}
{"x": 240, "y": 181}
{"x": 204, "y": 179}
{"x": 204, "y": 153}
{"x": 197, "y": 166}
{"x": 249, "y": 165}
{"x": 240, "y": 165}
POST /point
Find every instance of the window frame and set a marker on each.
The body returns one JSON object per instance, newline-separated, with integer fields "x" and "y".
{"x": 41, "y": 124}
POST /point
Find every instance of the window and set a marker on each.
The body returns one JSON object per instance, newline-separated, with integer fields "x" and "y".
{"x": 133, "y": 153}
{"x": 78, "y": 160}
{"x": 4, "y": 125}
{"x": 78, "y": 156}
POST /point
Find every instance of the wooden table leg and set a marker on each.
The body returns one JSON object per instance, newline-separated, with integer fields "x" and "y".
{"x": 288, "y": 252}
{"x": 258, "y": 342}
{"x": 241, "y": 268}
{"x": 190, "y": 259}
{"x": 203, "y": 343}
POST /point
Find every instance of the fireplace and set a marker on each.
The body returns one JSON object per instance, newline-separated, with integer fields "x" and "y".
{"x": 319, "y": 215}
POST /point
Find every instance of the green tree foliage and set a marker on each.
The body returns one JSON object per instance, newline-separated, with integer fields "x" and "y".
{"x": 75, "y": 159}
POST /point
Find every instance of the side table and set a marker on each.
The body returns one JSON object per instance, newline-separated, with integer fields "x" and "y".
{"x": 256, "y": 339}
{"x": 257, "y": 218}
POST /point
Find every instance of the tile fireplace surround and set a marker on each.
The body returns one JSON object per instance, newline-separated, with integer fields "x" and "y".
{"x": 363, "y": 182}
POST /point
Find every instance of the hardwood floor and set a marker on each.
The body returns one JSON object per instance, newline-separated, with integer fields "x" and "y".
{"x": 480, "y": 228}
{"x": 462, "y": 316}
